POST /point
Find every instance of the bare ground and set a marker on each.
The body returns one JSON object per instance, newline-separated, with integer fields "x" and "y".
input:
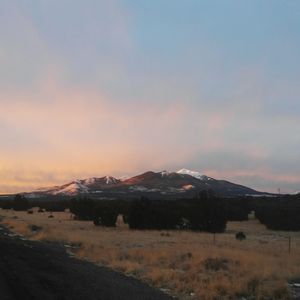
{"x": 39, "y": 270}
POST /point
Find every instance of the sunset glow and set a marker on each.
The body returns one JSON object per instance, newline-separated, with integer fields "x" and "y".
{"x": 95, "y": 88}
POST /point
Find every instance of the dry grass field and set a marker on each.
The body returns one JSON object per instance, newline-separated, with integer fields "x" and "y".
{"x": 189, "y": 265}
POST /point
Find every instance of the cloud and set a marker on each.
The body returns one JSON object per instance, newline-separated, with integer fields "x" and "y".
{"x": 75, "y": 132}
{"x": 81, "y": 96}
{"x": 55, "y": 133}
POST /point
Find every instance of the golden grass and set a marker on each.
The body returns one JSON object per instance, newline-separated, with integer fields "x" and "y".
{"x": 187, "y": 264}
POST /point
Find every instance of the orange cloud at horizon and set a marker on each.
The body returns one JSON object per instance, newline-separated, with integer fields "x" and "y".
{"x": 53, "y": 134}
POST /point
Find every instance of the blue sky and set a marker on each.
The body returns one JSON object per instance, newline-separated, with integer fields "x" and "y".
{"x": 89, "y": 88}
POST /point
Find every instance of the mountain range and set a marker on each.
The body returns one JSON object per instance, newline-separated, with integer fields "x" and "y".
{"x": 149, "y": 183}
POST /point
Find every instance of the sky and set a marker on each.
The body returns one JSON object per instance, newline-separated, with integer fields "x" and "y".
{"x": 119, "y": 87}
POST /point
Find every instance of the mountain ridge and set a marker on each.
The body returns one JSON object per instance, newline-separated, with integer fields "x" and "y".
{"x": 164, "y": 183}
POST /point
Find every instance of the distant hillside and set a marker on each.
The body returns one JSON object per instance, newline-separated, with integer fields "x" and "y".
{"x": 159, "y": 183}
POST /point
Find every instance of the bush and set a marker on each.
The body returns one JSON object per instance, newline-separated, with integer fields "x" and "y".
{"x": 240, "y": 236}
{"x": 97, "y": 221}
{"x": 215, "y": 264}
{"x": 35, "y": 228}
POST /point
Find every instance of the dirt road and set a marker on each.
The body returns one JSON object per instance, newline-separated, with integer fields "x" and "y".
{"x": 43, "y": 271}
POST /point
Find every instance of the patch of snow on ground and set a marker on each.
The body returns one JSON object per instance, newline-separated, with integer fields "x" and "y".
{"x": 175, "y": 190}
{"x": 140, "y": 188}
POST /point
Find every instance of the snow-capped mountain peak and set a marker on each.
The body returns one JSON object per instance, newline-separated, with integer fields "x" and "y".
{"x": 89, "y": 181}
{"x": 72, "y": 188}
{"x": 195, "y": 174}
{"x": 164, "y": 173}
{"x": 110, "y": 180}
{"x": 79, "y": 186}
{"x": 153, "y": 183}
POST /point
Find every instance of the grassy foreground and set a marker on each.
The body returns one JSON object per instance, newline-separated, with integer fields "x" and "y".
{"x": 189, "y": 265}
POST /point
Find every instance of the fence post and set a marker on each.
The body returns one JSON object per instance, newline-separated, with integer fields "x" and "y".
{"x": 290, "y": 241}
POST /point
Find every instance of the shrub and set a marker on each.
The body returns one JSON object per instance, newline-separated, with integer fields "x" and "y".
{"x": 240, "y": 236}
{"x": 35, "y": 228}
{"x": 215, "y": 264}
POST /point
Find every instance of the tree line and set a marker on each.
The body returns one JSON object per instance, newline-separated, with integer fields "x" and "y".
{"x": 204, "y": 212}
{"x": 280, "y": 213}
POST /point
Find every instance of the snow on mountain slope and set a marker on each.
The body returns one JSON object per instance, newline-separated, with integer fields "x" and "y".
{"x": 111, "y": 180}
{"x": 188, "y": 187}
{"x": 164, "y": 182}
{"x": 195, "y": 174}
{"x": 89, "y": 181}
{"x": 164, "y": 173}
{"x": 72, "y": 189}
{"x": 79, "y": 186}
